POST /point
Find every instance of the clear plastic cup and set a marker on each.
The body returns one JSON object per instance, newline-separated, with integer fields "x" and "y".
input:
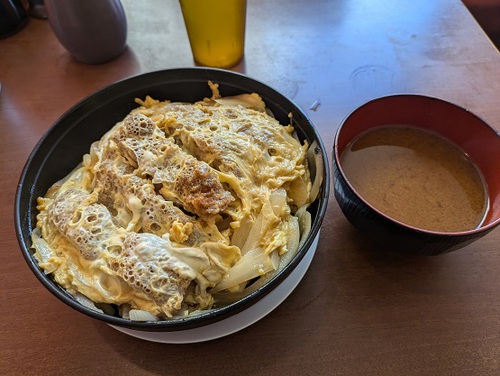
{"x": 216, "y": 30}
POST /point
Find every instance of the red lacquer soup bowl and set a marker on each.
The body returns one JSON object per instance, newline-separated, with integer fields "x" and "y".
{"x": 476, "y": 138}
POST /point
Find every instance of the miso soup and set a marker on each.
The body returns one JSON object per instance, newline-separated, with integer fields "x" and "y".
{"x": 416, "y": 177}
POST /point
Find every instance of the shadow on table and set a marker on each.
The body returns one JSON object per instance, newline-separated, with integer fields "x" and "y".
{"x": 225, "y": 356}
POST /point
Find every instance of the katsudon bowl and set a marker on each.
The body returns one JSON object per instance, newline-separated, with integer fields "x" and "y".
{"x": 70, "y": 137}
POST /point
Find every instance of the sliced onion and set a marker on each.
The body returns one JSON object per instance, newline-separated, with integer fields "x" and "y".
{"x": 277, "y": 199}
{"x": 84, "y": 301}
{"x": 253, "y": 264}
{"x": 124, "y": 310}
{"x": 41, "y": 246}
{"x": 292, "y": 243}
{"x": 254, "y": 234}
{"x": 140, "y": 315}
{"x": 315, "y": 161}
{"x": 305, "y": 224}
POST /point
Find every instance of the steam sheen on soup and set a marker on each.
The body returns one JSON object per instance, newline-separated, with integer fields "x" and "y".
{"x": 416, "y": 177}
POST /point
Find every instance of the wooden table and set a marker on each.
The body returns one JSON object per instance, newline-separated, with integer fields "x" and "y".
{"x": 359, "y": 310}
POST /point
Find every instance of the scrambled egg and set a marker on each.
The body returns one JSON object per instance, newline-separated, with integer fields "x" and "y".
{"x": 174, "y": 204}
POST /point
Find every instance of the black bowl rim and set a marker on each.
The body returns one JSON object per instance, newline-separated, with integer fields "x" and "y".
{"x": 336, "y": 160}
{"x": 211, "y": 316}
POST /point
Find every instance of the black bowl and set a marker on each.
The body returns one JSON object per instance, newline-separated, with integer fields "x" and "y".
{"x": 474, "y": 136}
{"x": 70, "y": 137}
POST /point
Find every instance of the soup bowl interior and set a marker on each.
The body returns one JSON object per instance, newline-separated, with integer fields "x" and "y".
{"x": 470, "y": 133}
{"x": 70, "y": 137}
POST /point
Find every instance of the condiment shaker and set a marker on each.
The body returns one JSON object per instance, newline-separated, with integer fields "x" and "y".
{"x": 93, "y": 31}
